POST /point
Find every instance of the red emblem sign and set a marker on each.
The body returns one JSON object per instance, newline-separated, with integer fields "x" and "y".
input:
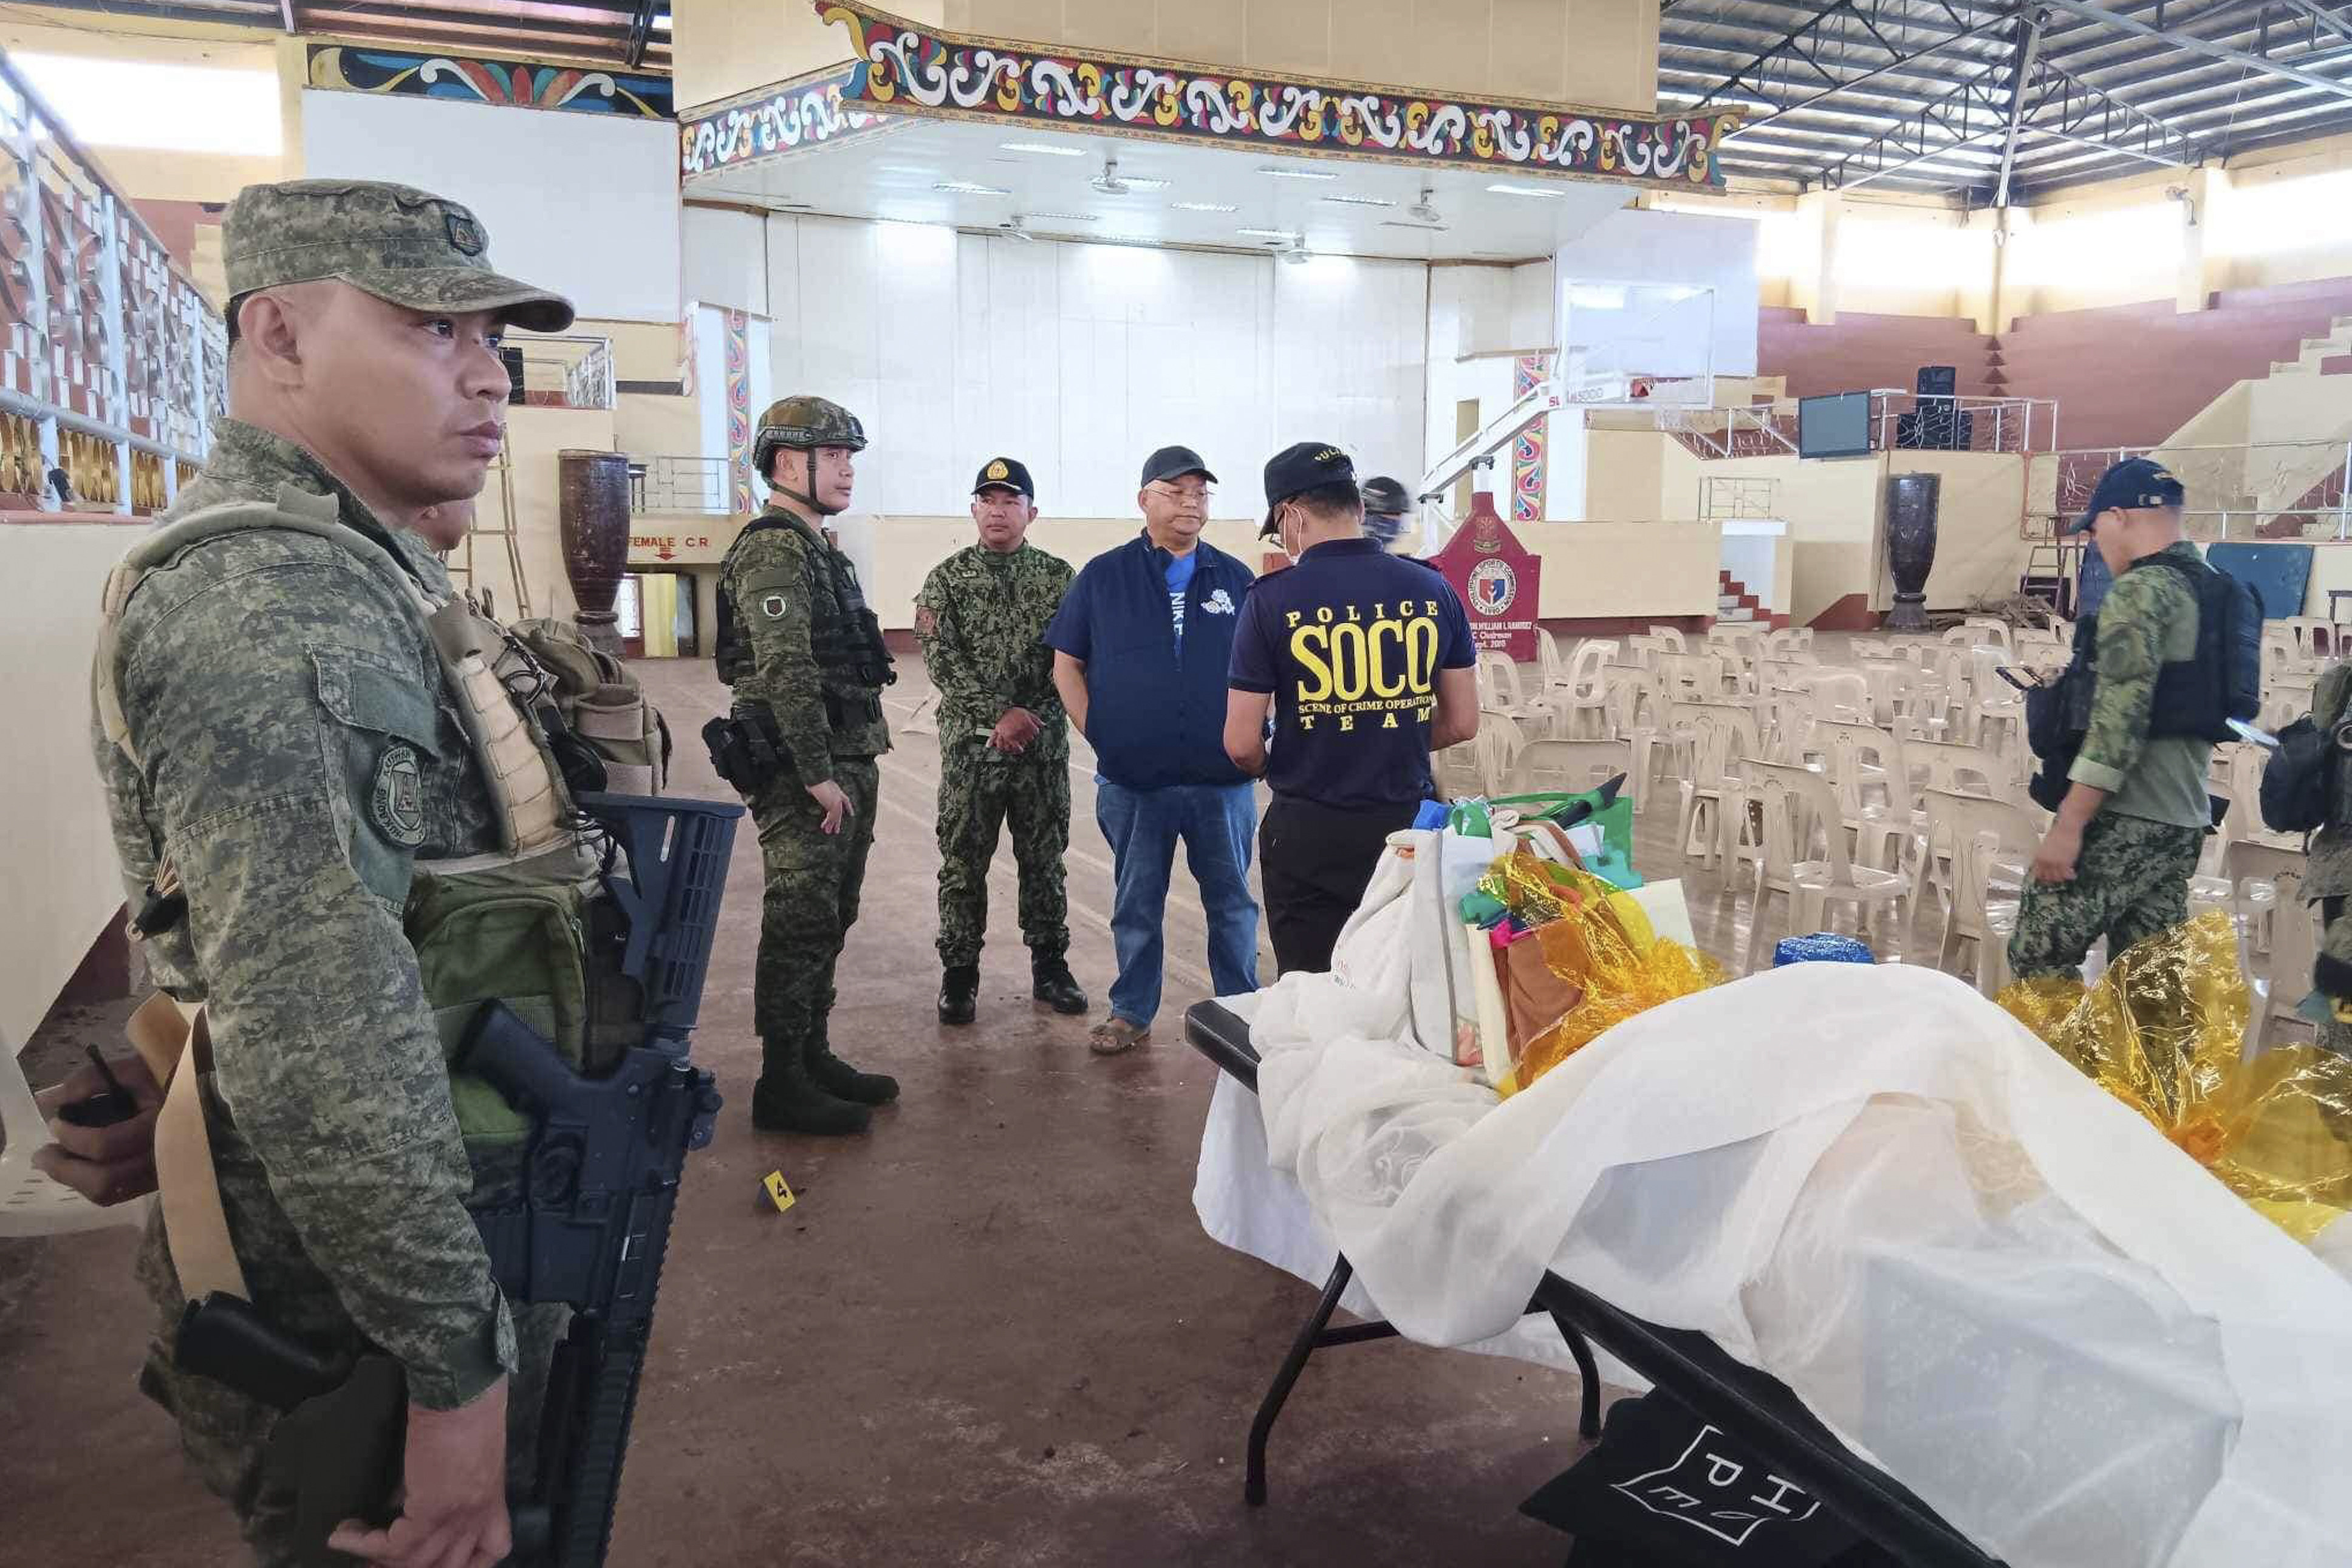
{"x": 1496, "y": 577}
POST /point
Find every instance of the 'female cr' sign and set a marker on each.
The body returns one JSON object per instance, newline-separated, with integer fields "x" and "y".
{"x": 1496, "y": 577}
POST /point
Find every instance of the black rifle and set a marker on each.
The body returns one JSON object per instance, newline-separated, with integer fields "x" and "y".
{"x": 589, "y": 1231}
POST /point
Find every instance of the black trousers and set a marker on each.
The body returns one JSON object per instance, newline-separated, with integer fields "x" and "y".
{"x": 1316, "y": 861}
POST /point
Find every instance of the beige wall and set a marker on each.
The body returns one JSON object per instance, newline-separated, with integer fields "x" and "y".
{"x": 1599, "y": 52}
{"x": 1979, "y": 550}
{"x": 61, "y": 870}
{"x": 1594, "y": 570}
{"x": 534, "y": 437}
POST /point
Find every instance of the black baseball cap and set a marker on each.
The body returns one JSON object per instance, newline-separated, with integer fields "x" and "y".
{"x": 1295, "y": 470}
{"x": 1386, "y": 496}
{"x": 2132, "y": 483}
{"x": 1175, "y": 463}
{"x": 1005, "y": 474}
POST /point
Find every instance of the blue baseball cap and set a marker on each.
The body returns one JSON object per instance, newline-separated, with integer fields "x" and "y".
{"x": 2134, "y": 483}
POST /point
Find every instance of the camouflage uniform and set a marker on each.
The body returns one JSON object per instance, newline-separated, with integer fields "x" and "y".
{"x": 792, "y": 608}
{"x": 271, "y": 683}
{"x": 2141, "y": 850}
{"x": 981, "y": 618}
{"x": 2327, "y": 877}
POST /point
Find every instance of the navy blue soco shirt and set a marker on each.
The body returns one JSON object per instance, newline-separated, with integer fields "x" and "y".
{"x": 1349, "y": 642}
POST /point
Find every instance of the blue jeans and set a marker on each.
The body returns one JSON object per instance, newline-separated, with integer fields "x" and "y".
{"x": 1216, "y": 822}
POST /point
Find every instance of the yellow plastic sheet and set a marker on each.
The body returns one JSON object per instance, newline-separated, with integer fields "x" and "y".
{"x": 2163, "y": 1031}
{"x": 1598, "y": 944}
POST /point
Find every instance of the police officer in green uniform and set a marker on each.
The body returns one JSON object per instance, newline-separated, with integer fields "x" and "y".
{"x": 2118, "y": 860}
{"x": 1004, "y": 740}
{"x": 806, "y": 658}
{"x": 278, "y": 737}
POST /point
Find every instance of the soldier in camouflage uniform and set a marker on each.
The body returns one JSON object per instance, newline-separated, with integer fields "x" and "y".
{"x": 1004, "y": 740}
{"x": 273, "y": 725}
{"x": 2328, "y": 878}
{"x": 806, "y": 658}
{"x": 2118, "y": 860}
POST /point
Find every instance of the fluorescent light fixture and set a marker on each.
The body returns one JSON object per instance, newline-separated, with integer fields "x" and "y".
{"x": 1044, "y": 149}
{"x": 1359, "y": 201}
{"x": 1505, "y": 189}
{"x": 1138, "y": 182}
{"x": 1203, "y": 207}
{"x": 966, "y": 188}
{"x": 1295, "y": 174}
{"x": 1269, "y": 234}
{"x": 1063, "y": 217}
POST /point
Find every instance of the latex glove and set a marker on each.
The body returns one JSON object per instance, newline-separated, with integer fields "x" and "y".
{"x": 106, "y": 1164}
{"x": 837, "y": 807}
{"x": 453, "y": 1506}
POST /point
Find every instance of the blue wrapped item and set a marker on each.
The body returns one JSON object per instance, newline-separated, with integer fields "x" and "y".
{"x": 1821, "y": 948}
{"x": 1432, "y": 815}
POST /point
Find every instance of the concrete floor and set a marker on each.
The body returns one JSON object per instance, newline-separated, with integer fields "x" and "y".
{"x": 992, "y": 1333}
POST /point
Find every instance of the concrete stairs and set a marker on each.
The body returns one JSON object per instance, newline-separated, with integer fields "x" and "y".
{"x": 1735, "y": 605}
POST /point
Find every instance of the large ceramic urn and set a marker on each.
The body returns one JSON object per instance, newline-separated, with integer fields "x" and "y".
{"x": 592, "y": 518}
{"x": 1911, "y": 501}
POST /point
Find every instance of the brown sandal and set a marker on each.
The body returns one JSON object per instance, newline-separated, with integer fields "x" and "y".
{"x": 1115, "y": 1035}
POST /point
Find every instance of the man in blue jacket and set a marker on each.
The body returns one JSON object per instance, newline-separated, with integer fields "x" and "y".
{"x": 1140, "y": 646}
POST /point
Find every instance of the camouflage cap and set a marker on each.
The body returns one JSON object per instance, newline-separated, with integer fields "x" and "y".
{"x": 395, "y": 242}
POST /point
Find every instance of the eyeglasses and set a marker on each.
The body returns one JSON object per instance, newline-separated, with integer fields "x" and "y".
{"x": 1196, "y": 491}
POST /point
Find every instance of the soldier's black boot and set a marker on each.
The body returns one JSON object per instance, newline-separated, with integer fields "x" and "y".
{"x": 843, "y": 1081}
{"x": 1051, "y": 982}
{"x": 787, "y": 1100}
{"x": 959, "y": 993}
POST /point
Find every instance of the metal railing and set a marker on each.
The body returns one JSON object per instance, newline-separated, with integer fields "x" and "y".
{"x": 1902, "y": 422}
{"x": 2285, "y": 491}
{"x": 112, "y": 367}
{"x": 1720, "y": 497}
{"x": 1716, "y": 434}
{"x": 566, "y": 371}
{"x": 681, "y": 485}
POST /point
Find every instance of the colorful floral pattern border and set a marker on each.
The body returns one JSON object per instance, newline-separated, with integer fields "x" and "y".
{"x": 739, "y": 410}
{"x": 1528, "y": 462}
{"x": 905, "y": 68}
{"x": 797, "y": 114}
{"x": 475, "y": 79}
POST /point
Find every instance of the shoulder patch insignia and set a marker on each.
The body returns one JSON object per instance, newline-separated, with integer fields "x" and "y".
{"x": 396, "y": 800}
{"x": 925, "y": 621}
{"x": 772, "y": 606}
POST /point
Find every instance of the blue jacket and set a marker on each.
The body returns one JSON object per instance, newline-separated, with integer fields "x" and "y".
{"x": 1153, "y": 718}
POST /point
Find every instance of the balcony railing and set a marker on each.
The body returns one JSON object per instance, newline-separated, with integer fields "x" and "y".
{"x": 1902, "y": 420}
{"x": 112, "y": 367}
{"x": 682, "y": 485}
{"x": 2296, "y": 491}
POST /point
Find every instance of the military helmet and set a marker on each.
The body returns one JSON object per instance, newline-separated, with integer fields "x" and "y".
{"x": 805, "y": 424}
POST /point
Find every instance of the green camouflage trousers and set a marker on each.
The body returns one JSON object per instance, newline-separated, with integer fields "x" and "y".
{"x": 980, "y": 790}
{"x": 2131, "y": 883}
{"x": 225, "y": 1435}
{"x": 810, "y": 901}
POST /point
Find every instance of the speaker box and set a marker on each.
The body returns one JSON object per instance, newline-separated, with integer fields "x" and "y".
{"x": 1938, "y": 381}
{"x": 513, "y": 355}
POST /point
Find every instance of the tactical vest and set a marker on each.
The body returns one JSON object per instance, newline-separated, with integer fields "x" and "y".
{"x": 518, "y": 924}
{"x": 845, "y": 636}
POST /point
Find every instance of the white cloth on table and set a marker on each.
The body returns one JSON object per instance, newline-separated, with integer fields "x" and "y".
{"x": 1982, "y": 1271}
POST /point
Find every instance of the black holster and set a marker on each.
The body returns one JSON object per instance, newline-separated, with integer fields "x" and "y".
{"x": 747, "y": 749}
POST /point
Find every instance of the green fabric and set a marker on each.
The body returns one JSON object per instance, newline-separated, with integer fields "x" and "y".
{"x": 500, "y": 936}
{"x": 2148, "y": 619}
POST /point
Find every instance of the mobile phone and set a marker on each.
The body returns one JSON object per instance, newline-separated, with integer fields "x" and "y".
{"x": 2014, "y": 679}
{"x": 2261, "y": 737}
{"x": 103, "y": 1109}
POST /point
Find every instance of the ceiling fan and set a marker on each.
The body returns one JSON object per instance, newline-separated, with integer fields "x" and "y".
{"x": 1423, "y": 213}
{"x": 1108, "y": 182}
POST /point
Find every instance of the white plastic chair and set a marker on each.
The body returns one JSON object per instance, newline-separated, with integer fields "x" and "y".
{"x": 30, "y": 1203}
{"x": 1567, "y": 767}
{"x": 1797, "y": 808}
{"x": 2286, "y": 975}
{"x": 1989, "y": 837}
{"x": 1713, "y": 796}
{"x": 1579, "y": 707}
